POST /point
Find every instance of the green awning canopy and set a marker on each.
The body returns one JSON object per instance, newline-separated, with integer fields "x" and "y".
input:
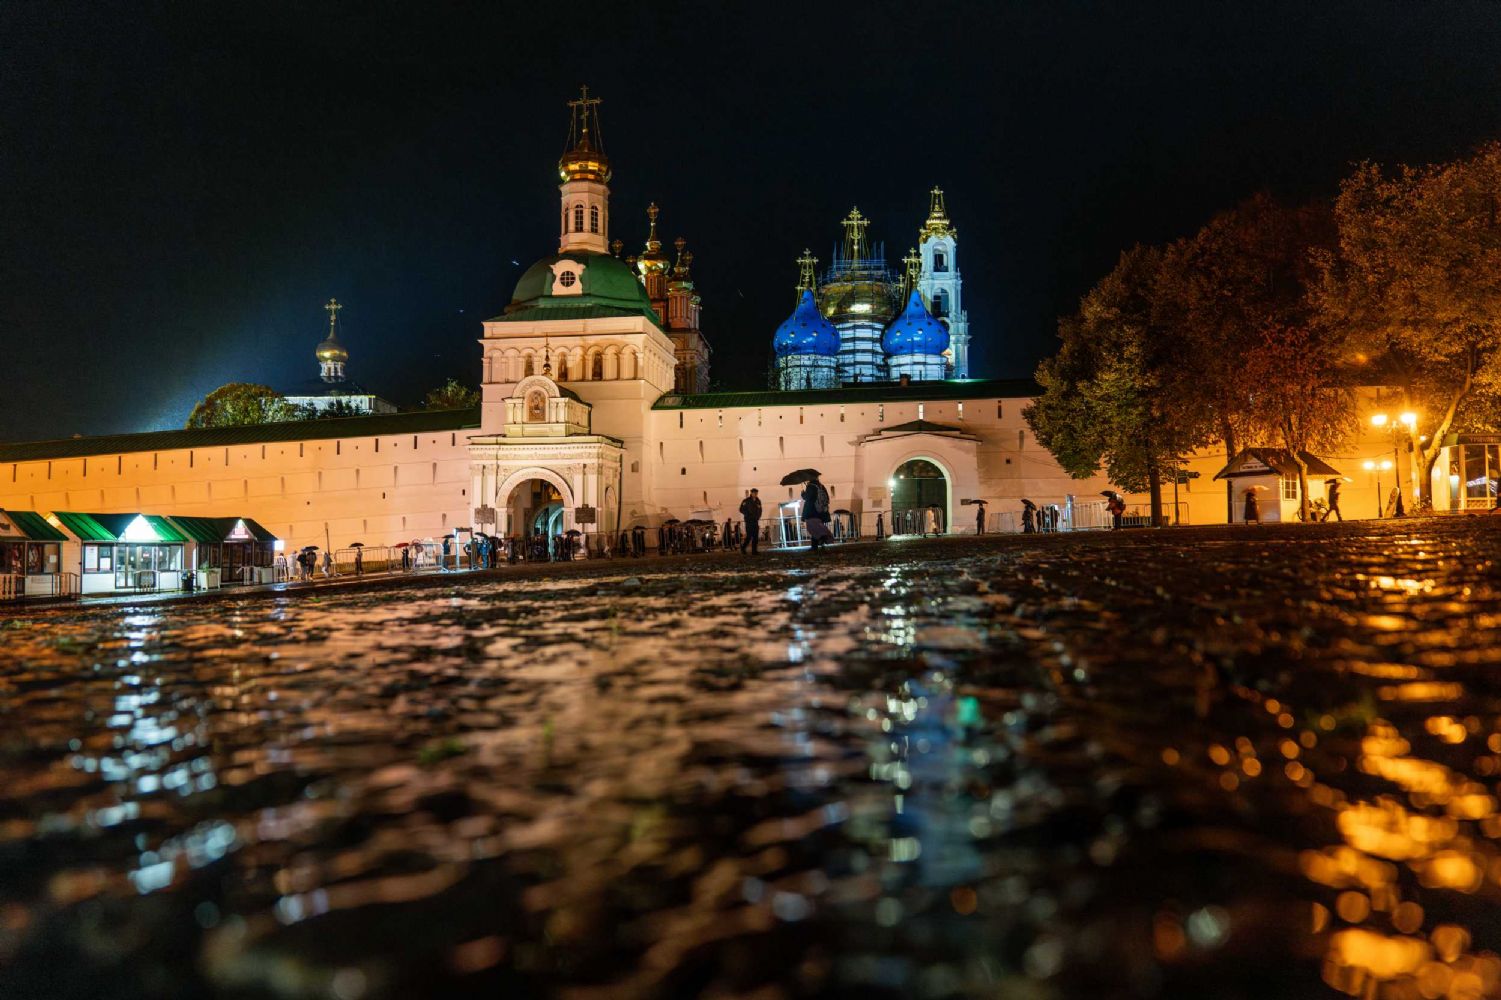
{"x": 200, "y": 529}
{"x": 214, "y": 530}
{"x": 33, "y": 526}
{"x": 145, "y": 528}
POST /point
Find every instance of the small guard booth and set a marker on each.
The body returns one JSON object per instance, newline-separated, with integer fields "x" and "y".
{"x": 1271, "y": 476}
{"x": 30, "y": 554}
{"x": 225, "y": 550}
{"x": 126, "y": 552}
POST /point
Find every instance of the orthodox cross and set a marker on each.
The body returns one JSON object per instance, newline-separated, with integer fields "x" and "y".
{"x": 582, "y": 106}
{"x": 913, "y": 260}
{"x": 854, "y": 234}
{"x": 333, "y": 308}
{"x": 805, "y": 265}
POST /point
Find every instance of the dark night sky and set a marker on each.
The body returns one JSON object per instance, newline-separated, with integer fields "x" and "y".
{"x": 183, "y": 185}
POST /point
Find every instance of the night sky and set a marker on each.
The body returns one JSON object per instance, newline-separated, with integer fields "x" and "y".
{"x": 183, "y": 185}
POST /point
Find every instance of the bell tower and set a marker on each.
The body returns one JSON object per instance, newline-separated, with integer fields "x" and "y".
{"x": 940, "y": 284}
{"x": 585, "y": 174}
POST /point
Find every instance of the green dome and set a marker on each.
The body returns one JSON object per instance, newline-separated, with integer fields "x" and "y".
{"x": 609, "y": 287}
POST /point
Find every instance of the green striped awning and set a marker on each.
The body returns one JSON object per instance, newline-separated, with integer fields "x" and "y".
{"x": 83, "y": 526}
{"x": 200, "y": 529}
{"x": 115, "y": 527}
{"x": 34, "y": 526}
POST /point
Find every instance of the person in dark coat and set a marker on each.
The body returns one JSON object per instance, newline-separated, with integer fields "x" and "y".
{"x": 979, "y": 519}
{"x": 1252, "y": 511}
{"x": 1029, "y": 517}
{"x": 1117, "y": 507}
{"x": 750, "y": 513}
{"x": 1333, "y": 499}
{"x": 815, "y": 513}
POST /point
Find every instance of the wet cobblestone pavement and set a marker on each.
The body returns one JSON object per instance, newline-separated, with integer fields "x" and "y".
{"x": 1212, "y": 763}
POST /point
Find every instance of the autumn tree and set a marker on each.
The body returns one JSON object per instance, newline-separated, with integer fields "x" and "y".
{"x": 452, "y": 395}
{"x": 1249, "y": 268}
{"x": 241, "y": 403}
{"x": 1416, "y": 280}
{"x": 1302, "y": 404}
{"x": 1112, "y": 395}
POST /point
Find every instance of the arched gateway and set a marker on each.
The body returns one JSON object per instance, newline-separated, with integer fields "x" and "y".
{"x": 545, "y": 468}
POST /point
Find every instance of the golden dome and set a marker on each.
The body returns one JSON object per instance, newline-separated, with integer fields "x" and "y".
{"x": 653, "y": 260}
{"x": 331, "y": 350}
{"x": 585, "y": 158}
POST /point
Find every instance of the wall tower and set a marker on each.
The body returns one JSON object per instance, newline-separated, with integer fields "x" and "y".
{"x": 941, "y": 285}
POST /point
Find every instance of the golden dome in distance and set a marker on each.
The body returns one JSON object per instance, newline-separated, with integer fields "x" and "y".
{"x": 329, "y": 349}
{"x": 938, "y": 223}
{"x": 653, "y": 260}
{"x": 584, "y": 159}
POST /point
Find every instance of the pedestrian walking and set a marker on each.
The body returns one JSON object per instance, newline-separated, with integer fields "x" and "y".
{"x": 750, "y": 513}
{"x": 1252, "y": 511}
{"x": 979, "y": 519}
{"x": 328, "y": 564}
{"x": 880, "y": 526}
{"x": 1332, "y": 497}
{"x": 359, "y": 562}
{"x": 1117, "y": 508}
{"x": 815, "y": 513}
{"x": 1029, "y": 517}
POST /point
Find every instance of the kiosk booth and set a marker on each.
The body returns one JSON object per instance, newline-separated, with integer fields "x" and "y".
{"x": 30, "y": 554}
{"x": 225, "y": 550}
{"x": 132, "y": 552}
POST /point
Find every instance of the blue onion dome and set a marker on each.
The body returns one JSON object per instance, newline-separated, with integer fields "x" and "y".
{"x": 915, "y": 331}
{"x": 806, "y": 332}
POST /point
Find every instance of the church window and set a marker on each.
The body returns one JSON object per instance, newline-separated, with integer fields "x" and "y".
{"x": 961, "y": 411}
{"x": 941, "y": 303}
{"x": 527, "y": 368}
{"x": 578, "y": 218}
{"x": 568, "y": 279}
{"x": 921, "y": 410}
{"x": 598, "y": 372}
{"x": 940, "y": 261}
{"x": 998, "y": 413}
{"x": 593, "y": 218}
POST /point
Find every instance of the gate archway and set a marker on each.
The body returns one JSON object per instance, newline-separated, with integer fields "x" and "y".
{"x": 919, "y": 490}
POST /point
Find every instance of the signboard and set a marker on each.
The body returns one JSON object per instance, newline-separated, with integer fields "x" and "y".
{"x": 583, "y": 515}
{"x": 878, "y": 495}
{"x": 484, "y": 515}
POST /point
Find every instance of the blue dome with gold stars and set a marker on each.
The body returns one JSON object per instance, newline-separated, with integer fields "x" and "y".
{"x": 915, "y": 331}
{"x": 806, "y": 332}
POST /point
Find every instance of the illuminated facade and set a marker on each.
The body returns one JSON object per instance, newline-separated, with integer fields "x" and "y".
{"x": 940, "y": 283}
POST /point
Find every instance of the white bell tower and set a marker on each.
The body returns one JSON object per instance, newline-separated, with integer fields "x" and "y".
{"x": 585, "y": 172}
{"x": 940, "y": 283}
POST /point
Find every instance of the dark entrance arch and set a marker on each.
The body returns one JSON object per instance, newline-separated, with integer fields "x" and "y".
{"x": 918, "y": 487}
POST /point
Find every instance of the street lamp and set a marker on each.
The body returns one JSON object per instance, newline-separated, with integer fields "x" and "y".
{"x": 1407, "y": 420}
{"x": 1371, "y": 466}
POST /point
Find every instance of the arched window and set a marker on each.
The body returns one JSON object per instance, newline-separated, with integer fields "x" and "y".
{"x": 578, "y": 218}
{"x": 593, "y": 218}
{"x": 597, "y": 371}
{"x": 940, "y": 260}
{"x": 941, "y": 302}
{"x": 527, "y": 368}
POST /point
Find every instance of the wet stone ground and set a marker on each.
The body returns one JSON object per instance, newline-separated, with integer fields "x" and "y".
{"x": 1212, "y": 763}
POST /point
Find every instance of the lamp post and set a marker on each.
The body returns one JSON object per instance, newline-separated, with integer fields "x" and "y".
{"x": 1371, "y": 466}
{"x": 1408, "y": 420}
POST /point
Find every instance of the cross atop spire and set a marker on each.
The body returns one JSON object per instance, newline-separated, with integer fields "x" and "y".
{"x": 805, "y": 278}
{"x": 938, "y": 223}
{"x": 854, "y": 234}
{"x": 333, "y": 308}
{"x": 913, "y": 262}
{"x": 585, "y": 109}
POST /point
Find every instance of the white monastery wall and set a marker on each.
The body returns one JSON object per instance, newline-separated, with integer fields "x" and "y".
{"x": 378, "y": 490}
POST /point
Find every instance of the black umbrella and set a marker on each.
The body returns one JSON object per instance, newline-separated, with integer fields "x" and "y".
{"x": 671, "y": 520}
{"x": 976, "y": 503}
{"x": 1108, "y": 494}
{"x": 843, "y": 513}
{"x": 573, "y": 532}
{"x": 310, "y": 548}
{"x": 799, "y": 477}
{"x": 1029, "y": 504}
{"x": 356, "y": 545}
{"x": 698, "y": 522}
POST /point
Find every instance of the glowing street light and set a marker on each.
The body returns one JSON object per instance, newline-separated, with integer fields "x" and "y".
{"x": 1377, "y": 468}
{"x": 1406, "y": 420}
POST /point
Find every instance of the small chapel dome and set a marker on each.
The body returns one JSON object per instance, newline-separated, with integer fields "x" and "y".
{"x": 915, "y": 331}
{"x": 329, "y": 349}
{"x": 806, "y": 332}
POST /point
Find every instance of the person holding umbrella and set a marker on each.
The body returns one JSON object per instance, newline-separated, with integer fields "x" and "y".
{"x": 750, "y": 512}
{"x": 1331, "y": 487}
{"x": 1116, "y": 506}
{"x": 1029, "y": 517}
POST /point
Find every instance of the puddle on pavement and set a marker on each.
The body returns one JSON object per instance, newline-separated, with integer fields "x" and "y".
{"x": 1214, "y": 765}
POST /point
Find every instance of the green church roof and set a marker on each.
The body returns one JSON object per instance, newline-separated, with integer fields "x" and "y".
{"x": 609, "y": 287}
